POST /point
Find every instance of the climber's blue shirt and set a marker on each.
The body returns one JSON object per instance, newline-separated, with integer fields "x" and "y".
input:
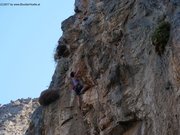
{"x": 75, "y": 81}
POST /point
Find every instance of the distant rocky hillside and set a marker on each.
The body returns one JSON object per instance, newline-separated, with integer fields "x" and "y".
{"x": 15, "y": 116}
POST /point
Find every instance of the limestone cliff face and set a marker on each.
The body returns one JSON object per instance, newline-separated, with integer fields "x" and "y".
{"x": 133, "y": 91}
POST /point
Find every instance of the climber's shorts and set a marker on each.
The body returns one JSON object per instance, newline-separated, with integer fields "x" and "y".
{"x": 78, "y": 89}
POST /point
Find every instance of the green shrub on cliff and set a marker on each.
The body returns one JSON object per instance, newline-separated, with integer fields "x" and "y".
{"x": 160, "y": 37}
{"x": 80, "y": 36}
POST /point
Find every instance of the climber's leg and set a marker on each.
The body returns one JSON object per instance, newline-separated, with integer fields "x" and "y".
{"x": 84, "y": 88}
{"x": 79, "y": 100}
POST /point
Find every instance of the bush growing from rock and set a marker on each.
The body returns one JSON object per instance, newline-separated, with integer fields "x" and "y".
{"x": 160, "y": 37}
{"x": 61, "y": 51}
{"x": 48, "y": 96}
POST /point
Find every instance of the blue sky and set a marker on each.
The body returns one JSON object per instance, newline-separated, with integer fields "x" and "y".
{"x": 28, "y": 37}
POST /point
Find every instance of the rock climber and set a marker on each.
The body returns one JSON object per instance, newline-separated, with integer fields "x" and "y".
{"x": 79, "y": 88}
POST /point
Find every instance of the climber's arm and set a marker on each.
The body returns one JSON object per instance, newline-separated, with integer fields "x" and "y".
{"x": 77, "y": 72}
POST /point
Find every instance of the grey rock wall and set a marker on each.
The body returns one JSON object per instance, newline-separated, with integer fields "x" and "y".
{"x": 133, "y": 91}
